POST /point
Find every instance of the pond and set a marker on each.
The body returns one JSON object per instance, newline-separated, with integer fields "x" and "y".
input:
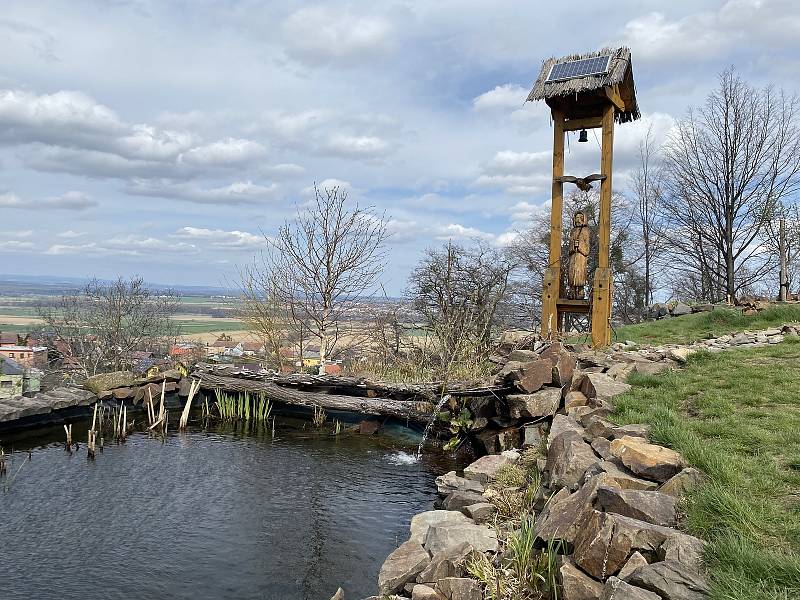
{"x": 210, "y": 513}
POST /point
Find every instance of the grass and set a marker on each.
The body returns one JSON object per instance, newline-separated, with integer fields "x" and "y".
{"x": 690, "y": 328}
{"x": 736, "y": 416}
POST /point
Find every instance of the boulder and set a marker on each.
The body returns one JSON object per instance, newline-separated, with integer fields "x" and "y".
{"x": 563, "y": 363}
{"x": 671, "y": 581}
{"x": 485, "y": 468}
{"x": 109, "y": 381}
{"x": 486, "y": 442}
{"x": 144, "y": 393}
{"x": 652, "y": 507}
{"x": 458, "y": 500}
{"x": 685, "y": 549}
{"x": 740, "y": 339}
{"x": 523, "y": 356}
{"x": 442, "y": 537}
{"x": 602, "y": 447}
{"x": 681, "y": 309}
{"x": 651, "y": 367}
{"x": 601, "y": 548}
{"x": 597, "y": 426}
{"x": 422, "y": 522}
{"x": 574, "y": 399}
{"x": 621, "y": 371}
{"x": 533, "y": 375}
{"x": 423, "y": 592}
{"x": 563, "y": 513}
{"x": 678, "y": 485}
{"x": 617, "y": 589}
{"x": 620, "y": 476}
{"x": 568, "y": 457}
{"x": 123, "y": 393}
{"x": 533, "y": 434}
{"x": 450, "y": 562}
{"x": 599, "y": 385}
{"x": 459, "y": 588}
{"x": 480, "y": 512}
{"x": 508, "y": 439}
{"x": 647, "y": 460}
{"x": 595, "y": 408}
{"x": 562, "y": 423}
{"x": 655, "y": 540}
{"x": 634, "y": 562}
{"x": 633, "y": 430}
{"x": 401, "y": 566}
{"x": 577, "y": 585}
{"x": 543, "y": 403}
{"x": 450, "y": 482}
{"x": 680, "y": 355}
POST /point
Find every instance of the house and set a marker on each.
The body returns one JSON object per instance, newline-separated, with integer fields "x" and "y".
{"x": 183, "y": 350}
{"x": 223, "y": 343}
{"x": 35, "y": 356}
{"x": 252, "y": 348}
{"x": 13, "y": 339}
{"x": 12, "y": 376}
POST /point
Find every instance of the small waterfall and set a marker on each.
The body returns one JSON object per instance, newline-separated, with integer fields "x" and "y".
{"x": 429, "y": 426}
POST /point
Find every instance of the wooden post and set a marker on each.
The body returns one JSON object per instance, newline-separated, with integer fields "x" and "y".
{"x": 551, "y": 285}
{"x": 783, "y": 295}
{"x": 601, "y": 298}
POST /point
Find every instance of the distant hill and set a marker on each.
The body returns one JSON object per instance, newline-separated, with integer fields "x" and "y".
{"x": 51, "y": 285}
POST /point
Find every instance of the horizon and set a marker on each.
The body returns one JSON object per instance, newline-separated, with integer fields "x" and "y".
{"x": 135, "y": 142}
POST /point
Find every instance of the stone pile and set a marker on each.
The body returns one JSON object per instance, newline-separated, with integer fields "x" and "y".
{"x": 124, "y": 385}
{"x": 41, "y": 406}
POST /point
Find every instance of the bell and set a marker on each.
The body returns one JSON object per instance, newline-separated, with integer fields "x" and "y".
{"x": 583, "y": 137}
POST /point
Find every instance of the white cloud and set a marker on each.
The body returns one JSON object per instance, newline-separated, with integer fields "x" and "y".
{"x": 11, "y": 200}
{"x": 13, "y": 246}
{"x": 67, "y": 201}
{"x": 240, "y": 192}
{"x": 125, "y": 245}
{"x": 71, "y": 235}
{"x": 506, "y": 96}
{"x": 509, "y": 162}
{"x": 224, "y": 152}
{"x": 283, "y": 171}
{"x": 319, "y": 35}
{"x": 219, "y": 238}
{"x": 358, "y": 146}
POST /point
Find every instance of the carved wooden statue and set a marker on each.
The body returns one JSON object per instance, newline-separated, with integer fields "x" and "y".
{"x": 578, "y": 256}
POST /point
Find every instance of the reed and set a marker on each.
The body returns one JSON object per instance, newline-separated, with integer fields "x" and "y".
{"x": 337, "y": 427}
{"x": 243, "y": 407}
{"x": 2, "y": 462}
{"x": 68, "y": 431}
{"x": 319, "y": 416}
{"x": 90, "y": 443}
{"x": 185, "y": 414}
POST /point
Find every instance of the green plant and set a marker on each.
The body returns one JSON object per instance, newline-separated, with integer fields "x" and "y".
{"x": 319, "y": 416}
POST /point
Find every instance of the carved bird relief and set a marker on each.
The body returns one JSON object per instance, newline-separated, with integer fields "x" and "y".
{"x": 584, "y": 183}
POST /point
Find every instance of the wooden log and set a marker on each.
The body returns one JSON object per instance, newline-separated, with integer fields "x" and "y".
{"x": 417, "y": 412}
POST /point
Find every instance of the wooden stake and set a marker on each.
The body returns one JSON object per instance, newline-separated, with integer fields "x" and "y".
{"x": 601, "y": 299}
{"x": 551, "y": 285}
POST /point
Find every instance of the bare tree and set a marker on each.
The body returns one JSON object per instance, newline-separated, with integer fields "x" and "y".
{"x": 101, "y": 326}
{"x": 264, "y": 311}
{"x": 647, "y": 190}
{"x": 729, "y": 164}
{"x": 458, "y": 290}
{"x": 324, "y": 262}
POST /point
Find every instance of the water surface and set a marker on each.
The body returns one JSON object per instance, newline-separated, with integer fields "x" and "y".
{"x": 209, "y": 514}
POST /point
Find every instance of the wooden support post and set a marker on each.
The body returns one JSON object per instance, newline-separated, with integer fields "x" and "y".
{"x": 551, "y": 285}
{"x": 783, "y": 294}
{"x": 602, "y": 292}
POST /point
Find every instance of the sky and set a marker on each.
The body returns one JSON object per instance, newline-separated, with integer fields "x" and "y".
{"x": 166, "y": 138}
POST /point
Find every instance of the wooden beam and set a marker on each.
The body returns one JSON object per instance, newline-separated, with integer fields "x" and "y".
{"x": 612, "y": 93}
{"x": 601, "y": 299}
{"x": 584, "y": 123}
{"x": 551, "y": 285}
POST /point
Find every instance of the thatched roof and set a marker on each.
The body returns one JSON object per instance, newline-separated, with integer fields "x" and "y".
{"x": 620, "y": 73}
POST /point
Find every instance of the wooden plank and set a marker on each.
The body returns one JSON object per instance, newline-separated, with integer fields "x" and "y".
{"x": 552, "y": 278}
{"x": 566, "y": 305}
{"x": 584, "y": 123}
{"x": 612, "y": 93}
{"x": 601, "y": 300}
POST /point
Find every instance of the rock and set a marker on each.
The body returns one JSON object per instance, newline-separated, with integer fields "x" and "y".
{"x": 533, "y": 434}
{"x": 562, "y": 423}
{"x": 508, "y": 439}
{"x": 633, "y": 430}
{"x": 459, "y": 500}
{"x": 481, "y": 406}
{"x": 485, "y": 468}
{"x": 479, "y": 424}
{"x": 621, "y": 371}
{"x": 599, "y": 385}
{"x": 401, "y": 566}
{"x": 621, "y": 476}
{"x": 533, "y": 375}
{"x": 444, "y": 536}
{"x": 450, "y": 482}
{"x": 543, "y": 403}
{"x": 369, "y": 427}
{"x": 595, "y": 408}
{"x": 144, "y": 393}
{"x": 109, "y": 381}
{"x": 184, "y": 387}
{"x": 647, "y": 460}
{"x": 447, "y": 563}
{"x": 480, "y": 512}
{"x": 459, "y": 588}
{"x": 339, "y": 595}
{"x": 740, "y": 339}
{"x": 523, "y": 356}
{"x": 597, "y": 426}
{"x": 123, "y": 393}
{"x": 423, "y": 592}
{"x": 681, "y": 309}
{"x": 563, "y": 363}
{"x": 680, "y": 355}
{"x": 601, "y": 548}
{"x": 568, "y": 457}
{"x": 652, "y": 507}
{"x": 685, "y": 549}
{"x": 678, "y": 485}
{"x": 593, "y": 358}
{"x": 486, "y": 442}
{"x": 422, "y": 522}
{"x": 651, "y": 368}
{"x": 511, "y": 455}
{"x": 574, "y": 399}
{"x": 617, "y": 589}
{"x": 577, "y": 585}
{"x": 671, "y": 581}
{"x": 634, "y": 562}
{"x": 602, "y": 446}
{"x": 563, "y": 513}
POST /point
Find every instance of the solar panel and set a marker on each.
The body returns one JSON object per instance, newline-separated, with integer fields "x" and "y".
{"x": 579, "y": 68}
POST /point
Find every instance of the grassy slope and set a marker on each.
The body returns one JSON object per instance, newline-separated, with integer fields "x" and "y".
{"x": 736, "y": 416}
{"x": 679, "y": 330}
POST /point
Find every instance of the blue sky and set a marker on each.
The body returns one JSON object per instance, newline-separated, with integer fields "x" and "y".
{"x": 165, "y": 138}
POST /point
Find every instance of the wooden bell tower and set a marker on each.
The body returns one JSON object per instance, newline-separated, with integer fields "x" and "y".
{"x": 590, "y": 91}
